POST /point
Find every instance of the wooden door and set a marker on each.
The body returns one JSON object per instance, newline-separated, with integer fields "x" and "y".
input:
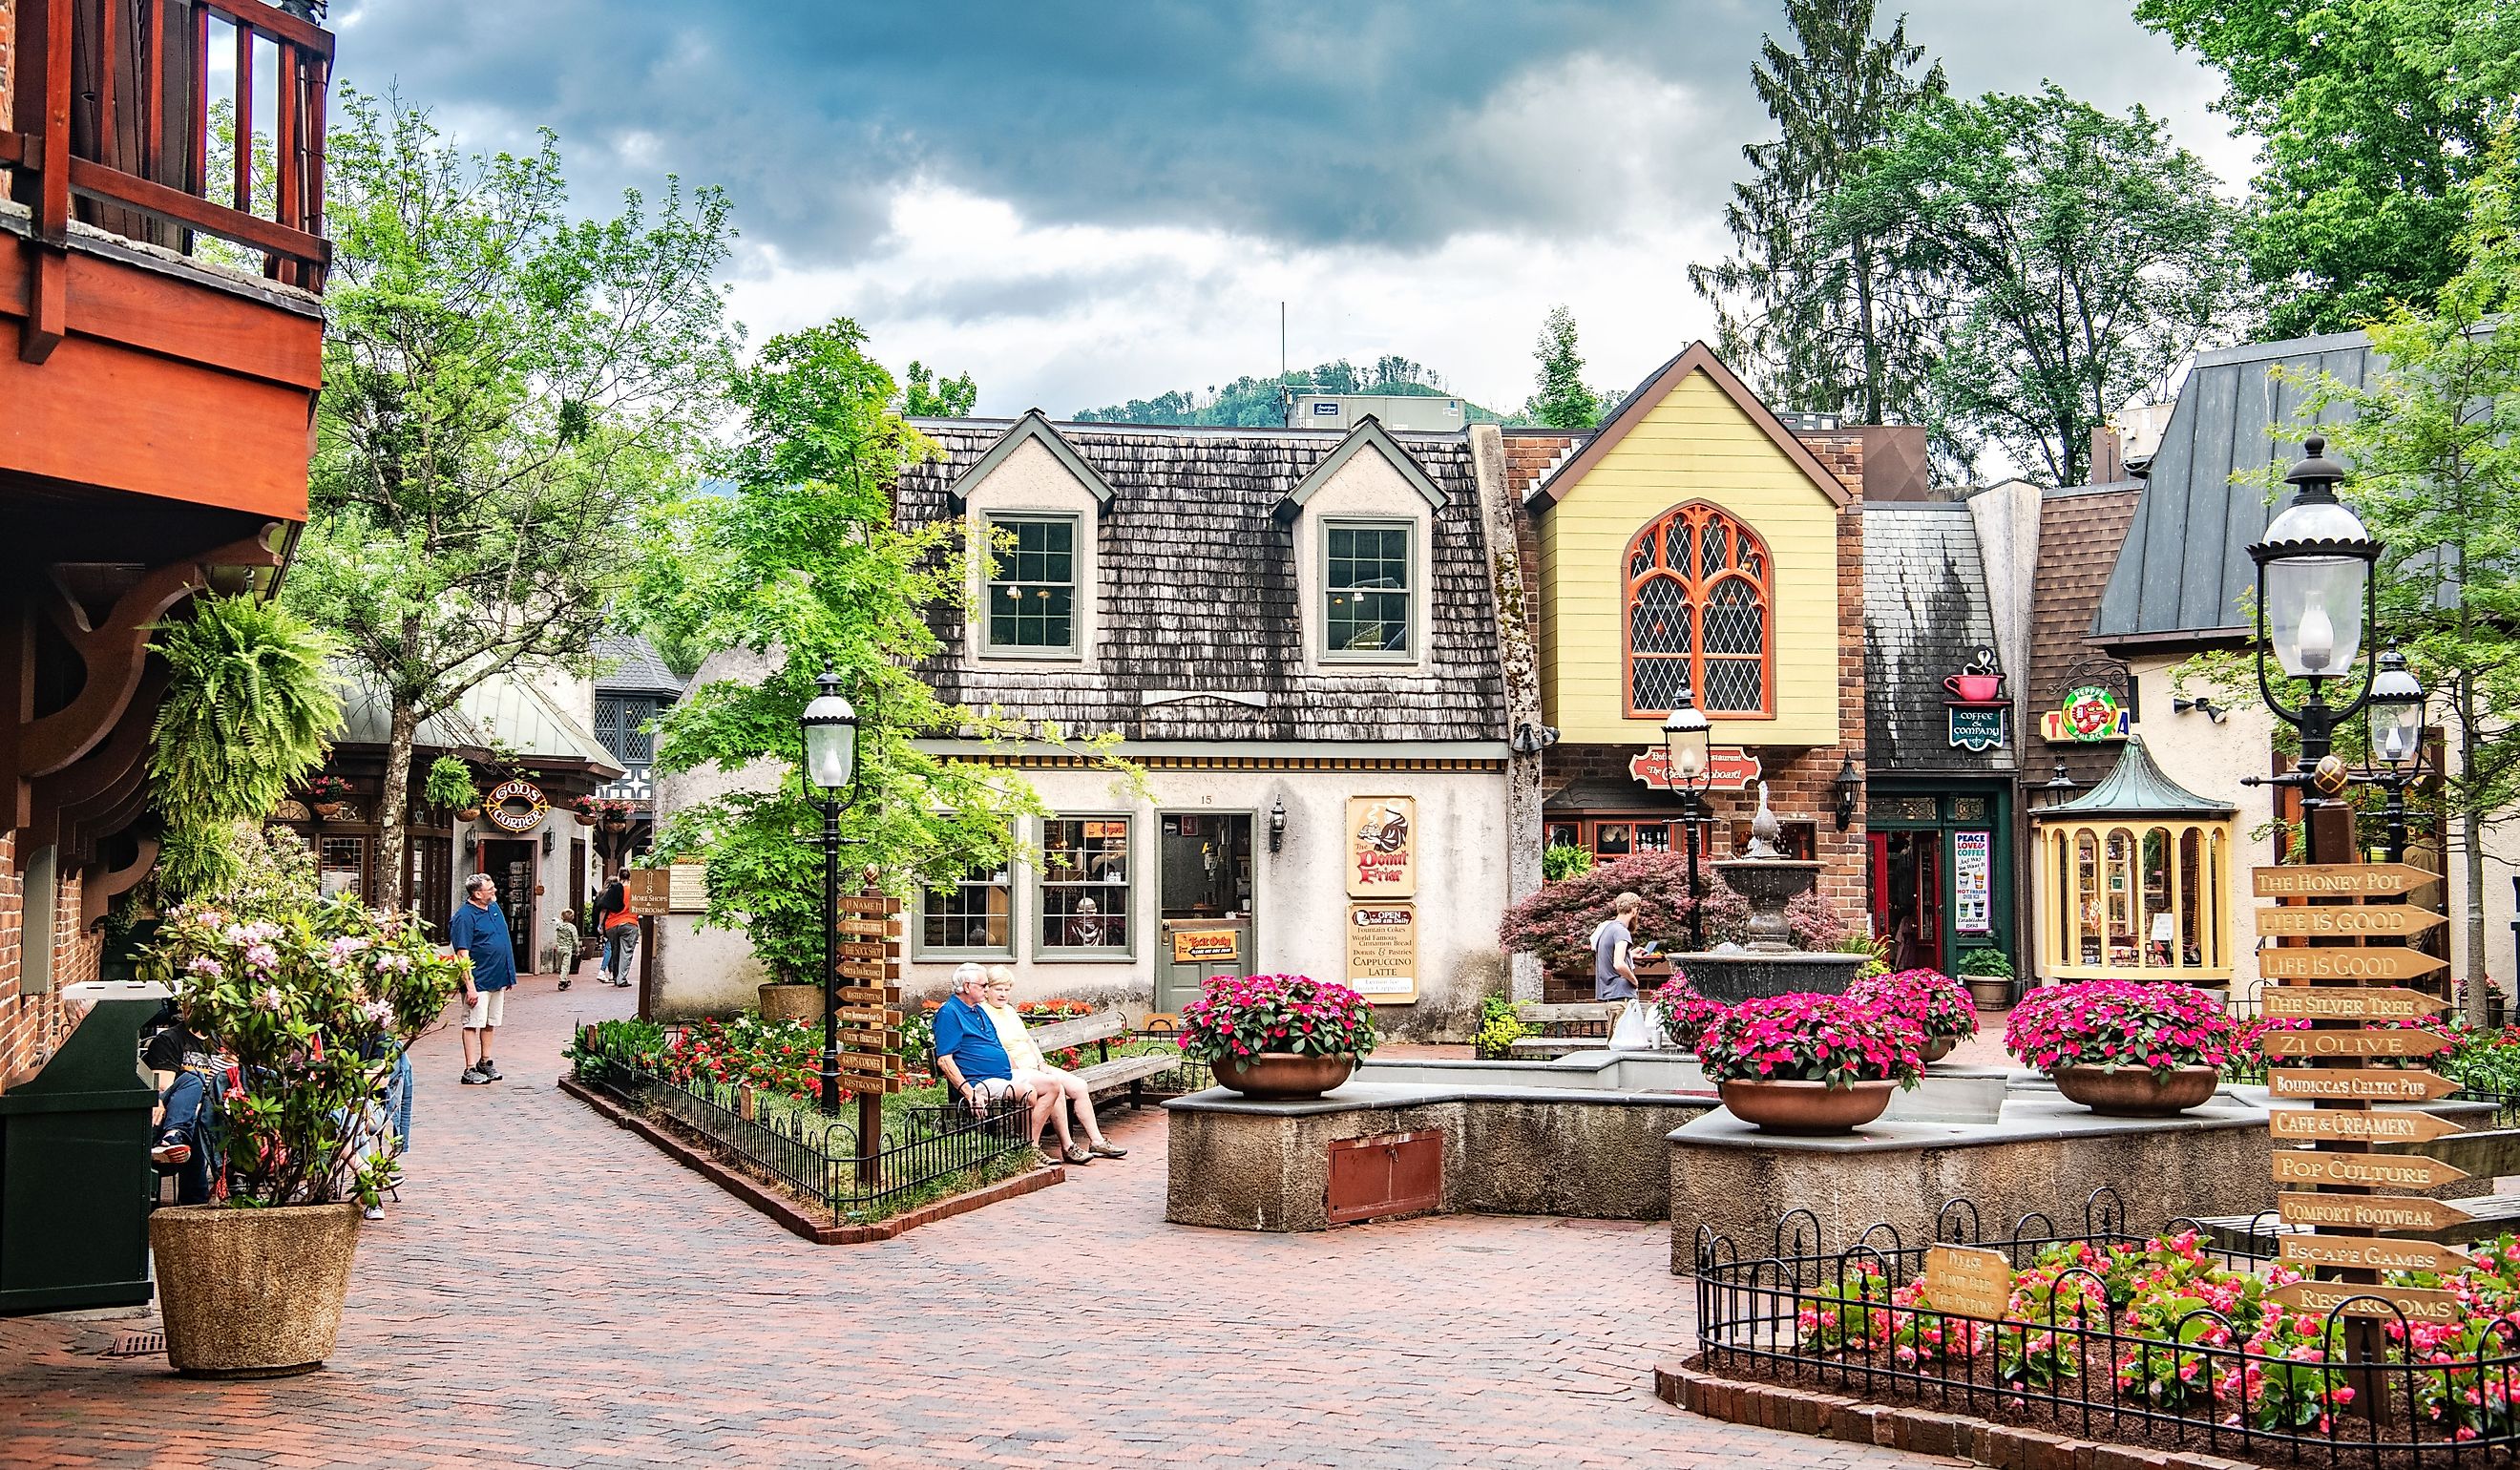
{"x": 511, "y": 865}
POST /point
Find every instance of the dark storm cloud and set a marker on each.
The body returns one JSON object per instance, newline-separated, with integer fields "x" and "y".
{"x": 1305, "y": 121}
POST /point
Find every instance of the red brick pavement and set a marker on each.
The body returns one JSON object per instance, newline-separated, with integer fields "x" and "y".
{"x": 552, "y": 1291}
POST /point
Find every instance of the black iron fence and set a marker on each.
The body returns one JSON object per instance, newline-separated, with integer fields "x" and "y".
{"x": 815, "y": 1156}
{"x": 2083, "y": 1351}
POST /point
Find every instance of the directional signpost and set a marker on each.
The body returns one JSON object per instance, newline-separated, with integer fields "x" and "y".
{"x": 2341, "y": 963}
{"x": 866, "y": 1018}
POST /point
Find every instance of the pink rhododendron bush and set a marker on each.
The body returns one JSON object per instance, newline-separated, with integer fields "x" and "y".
{"x": 1805, "y": 1037}
{"x": 2117, "y": 1023}
{"x": 2163, "y": 1323}
{"x": 1939, "y": 1005}
{"x": 1244, "y": 1016}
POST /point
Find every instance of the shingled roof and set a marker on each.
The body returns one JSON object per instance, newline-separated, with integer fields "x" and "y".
{"x": 1197, "y": 596}
{"x": 2184, "y": 565}
{"x": 627, "y": 663}
{"x": 1925, "y": 612}
{"x": 2079, "y": 531}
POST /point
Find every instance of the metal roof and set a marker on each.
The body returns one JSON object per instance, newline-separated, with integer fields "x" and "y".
{"x": 2184, "y": 565}
{"x": 502, "y": 708}
{"x": 2137, "y": 788}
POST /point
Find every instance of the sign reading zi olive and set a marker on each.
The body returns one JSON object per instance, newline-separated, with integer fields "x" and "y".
{"x": 2325, "y": 1004}
{"x": 2350, "y": 1253}
{"x": 2358, "y": 1084}
{"x": 2354, "y": 1043}
{"x": 2301, "y": 1124}
{"x": 2339, "y": 880}
{"x": 2384, "y": 963}
{"x": 2417, "y": 1303}
{"x": 2368, "y": 1212}
{"x": 2378, "y": 920}
{"x": 2365, "y": 1171}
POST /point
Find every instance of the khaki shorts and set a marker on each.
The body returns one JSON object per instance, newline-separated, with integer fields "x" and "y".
{"x": 490, "y": 1008}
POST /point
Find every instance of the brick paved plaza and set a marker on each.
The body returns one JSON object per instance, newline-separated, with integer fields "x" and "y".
{"x": 554, "y": 1292}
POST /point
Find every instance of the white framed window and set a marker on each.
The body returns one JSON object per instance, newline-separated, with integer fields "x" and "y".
{"x": 1084, "y": 887}
{"x": 1369, "y": 598}
{"x": 971, "y": 917}
{"x": 1028, "y": 607}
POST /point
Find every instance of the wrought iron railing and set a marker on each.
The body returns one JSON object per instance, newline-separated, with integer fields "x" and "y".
{"x": 1840, "y": 1321}
{"x": 116, "y": 124}
{"x": 812, "y": 1155}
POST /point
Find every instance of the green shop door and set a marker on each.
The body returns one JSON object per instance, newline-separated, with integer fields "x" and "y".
{"x": 1203, "y": 878}
{"x": 1941, "y": 871}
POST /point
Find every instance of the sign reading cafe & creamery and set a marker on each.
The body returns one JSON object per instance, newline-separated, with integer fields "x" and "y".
{"x": 1382, "y": 847}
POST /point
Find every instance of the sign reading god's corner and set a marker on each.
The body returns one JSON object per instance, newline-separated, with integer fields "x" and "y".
{"x": 515, "y": 806}
{"x": 1382, "y": 847}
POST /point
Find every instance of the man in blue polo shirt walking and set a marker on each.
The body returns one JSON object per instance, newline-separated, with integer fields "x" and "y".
{"x": 975, "y": 1061}
{"x": 478, "y": 932}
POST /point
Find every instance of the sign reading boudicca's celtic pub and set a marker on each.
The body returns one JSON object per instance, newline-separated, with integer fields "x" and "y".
{"x": 515, "y": 806}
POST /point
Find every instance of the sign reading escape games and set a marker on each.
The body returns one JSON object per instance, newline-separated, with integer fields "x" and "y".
{"x": 1382, "y": 847}
{"x": 1382, "y": 953}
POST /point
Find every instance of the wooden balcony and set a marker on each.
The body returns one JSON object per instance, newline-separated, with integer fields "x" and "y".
{"x": 162, "y": 249}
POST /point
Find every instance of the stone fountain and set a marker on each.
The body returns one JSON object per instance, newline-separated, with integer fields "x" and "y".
{"x": 1769, "y": 964}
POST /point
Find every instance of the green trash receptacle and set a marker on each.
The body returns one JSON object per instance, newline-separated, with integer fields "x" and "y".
{"x": 76, "y": 1182}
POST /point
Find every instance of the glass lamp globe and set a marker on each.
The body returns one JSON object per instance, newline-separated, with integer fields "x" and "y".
{"x": 831, "y": 729}
{"x": 1684, "y": 741}
{"x": 2396, "y": 712}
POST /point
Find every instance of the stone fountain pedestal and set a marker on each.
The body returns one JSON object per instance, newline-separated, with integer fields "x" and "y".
{"x": 1769, "y": 964}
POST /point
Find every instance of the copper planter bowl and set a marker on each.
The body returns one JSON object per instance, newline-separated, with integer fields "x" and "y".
{"x": 2134, "y": 1092}
{"x": 1283, "y": 1076}
{"x": 1935, "y": 1050}
{"x": 1805, "y": 1107}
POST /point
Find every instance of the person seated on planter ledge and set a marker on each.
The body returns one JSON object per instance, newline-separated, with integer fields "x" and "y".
{"x": 977, "y": 1068}
{"x": 188, "y": 1100}
{"x": 1032, "y": 1070}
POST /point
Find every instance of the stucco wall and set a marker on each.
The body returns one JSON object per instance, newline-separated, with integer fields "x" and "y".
{"x": 707, "y": 971}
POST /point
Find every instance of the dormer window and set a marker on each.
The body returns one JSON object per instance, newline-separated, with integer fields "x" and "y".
{"x": 1367, "y": 590}
{"x": 1031, "y": 599}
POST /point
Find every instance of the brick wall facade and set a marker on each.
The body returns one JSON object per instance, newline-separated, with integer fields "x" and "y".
{"x": 32, "y": 1026}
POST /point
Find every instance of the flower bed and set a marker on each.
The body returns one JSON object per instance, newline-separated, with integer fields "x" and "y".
{"x": 2116, "y": 1023}
{"x": 2138, "y": 1340}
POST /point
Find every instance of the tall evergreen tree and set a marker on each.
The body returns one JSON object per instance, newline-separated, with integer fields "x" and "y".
{"x": 1834, "y": 325}
{"x": 1562, "y": 401}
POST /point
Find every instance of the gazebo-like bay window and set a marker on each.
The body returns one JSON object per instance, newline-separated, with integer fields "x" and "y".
{"x": 2135, "y": 880}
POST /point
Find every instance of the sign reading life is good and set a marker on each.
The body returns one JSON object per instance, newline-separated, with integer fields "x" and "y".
{"x": 2375, "y": 921}
{"x": 515, "y": 806}
{"x": 2348, "y": 964}
{"x": 1972, "y": 1280}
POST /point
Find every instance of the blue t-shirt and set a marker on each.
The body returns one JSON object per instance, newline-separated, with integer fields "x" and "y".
{"x": 963, "y": 1033}
{"x": 482, "y": 933}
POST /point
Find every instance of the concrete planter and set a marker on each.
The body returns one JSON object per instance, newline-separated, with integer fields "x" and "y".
{"x": 253, "y": 1292}
{"x": 1282, "y": 1075}
{"x": 793, "y": 1002}
{"x": 1805, "y": 1108}
{"x": 2134, "y": 1092}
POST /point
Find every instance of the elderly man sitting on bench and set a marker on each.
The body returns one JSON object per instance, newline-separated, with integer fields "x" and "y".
{"x": 975, "y": 1062}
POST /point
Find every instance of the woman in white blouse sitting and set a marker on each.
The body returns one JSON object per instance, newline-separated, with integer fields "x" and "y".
{"x": 1034, "y": 1072}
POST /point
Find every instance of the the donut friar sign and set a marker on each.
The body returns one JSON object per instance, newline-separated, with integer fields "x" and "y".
{"x": 1382, "y": 847}
{"x": 515, "y": 806}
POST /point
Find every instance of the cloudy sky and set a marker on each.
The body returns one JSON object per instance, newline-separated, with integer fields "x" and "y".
{"x": 1082, "y": 204}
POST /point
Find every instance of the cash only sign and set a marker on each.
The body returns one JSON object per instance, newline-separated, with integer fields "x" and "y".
{"x": 2349, "y": 1077}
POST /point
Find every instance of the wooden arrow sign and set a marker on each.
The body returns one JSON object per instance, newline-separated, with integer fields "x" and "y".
{"x": 862, "y": 969}
{"x": 2340, "y": 879}
{"x": 2368, "y": 1171}
{"x": 865, "y": 995}
{"x": 873, "y": 928}
{"x": 2385, "y": 963}
{"x": 2337, "y": 1004}
{"x": 2358, "y": 1084}
{"x": 2368, "y": 1212}
{"x": 860, "y": 950}
{"x": 2350, "y": 1253}
{"x": 2306, "y": 1125}
{"x": 867, "y": 906}
{"x": 2353, "y": 1043}
{"x": 2416, "y": 1303}
{"x": 2369, "y": 920}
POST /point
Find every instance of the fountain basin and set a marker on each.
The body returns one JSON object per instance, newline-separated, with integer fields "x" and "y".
{"x": 1734, "y": 976}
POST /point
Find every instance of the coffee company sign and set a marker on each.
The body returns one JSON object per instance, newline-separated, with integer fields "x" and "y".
{"x": 515, "y": 806}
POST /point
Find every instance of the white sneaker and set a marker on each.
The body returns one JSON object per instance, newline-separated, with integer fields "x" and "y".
{"x": 373, "y": 1212}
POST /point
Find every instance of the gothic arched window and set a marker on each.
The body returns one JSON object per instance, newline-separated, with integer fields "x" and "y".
{"x": 1697, "y": 584}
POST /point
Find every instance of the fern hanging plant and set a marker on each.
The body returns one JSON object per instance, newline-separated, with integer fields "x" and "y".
{"x": 251, "y": 710}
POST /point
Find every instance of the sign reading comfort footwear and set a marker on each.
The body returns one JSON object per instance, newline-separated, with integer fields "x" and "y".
{"x": 1382, "y": 847}
{"x": 1382, "y": 953}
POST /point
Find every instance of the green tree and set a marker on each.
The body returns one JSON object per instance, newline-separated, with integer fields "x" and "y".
{"x": 924, "y": 396}
{"x": 1831, "y": 321}
{"x": 2372, "y": 116}
{"x": 2079, "y": 257}
{"x": 804, "y": 569}
{"x": 1561, "y": 400}
{"x": 504, "y": 390}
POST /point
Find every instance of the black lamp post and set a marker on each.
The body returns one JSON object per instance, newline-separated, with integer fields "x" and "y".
{"x": 1685, "y": 753}
{"x": 2396, "y": 712}
{"x": 2316, "y": 598}
{"x": 831, "y": 729}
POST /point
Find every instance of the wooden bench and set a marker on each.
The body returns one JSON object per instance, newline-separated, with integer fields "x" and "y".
{"x": 1581, "y": 1018}
{"x": 1107, "y": 1074}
